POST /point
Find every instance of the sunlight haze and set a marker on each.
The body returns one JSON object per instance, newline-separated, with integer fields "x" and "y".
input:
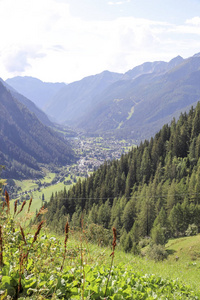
{"x": 66, "y": 40}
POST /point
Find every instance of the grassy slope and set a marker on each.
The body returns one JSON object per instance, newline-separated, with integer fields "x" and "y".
{"x": 183, "y": 262}
{"x": 185, "y": 269}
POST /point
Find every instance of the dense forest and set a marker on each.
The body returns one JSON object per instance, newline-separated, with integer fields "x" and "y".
{"x": 153, "y": 191}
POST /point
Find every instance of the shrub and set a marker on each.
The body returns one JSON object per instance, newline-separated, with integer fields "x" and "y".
{"x": 98, "y": 234}
{"x": 192, "y": 230}
{"x": 144, "y": 242}
{"x": 156, "y": 252}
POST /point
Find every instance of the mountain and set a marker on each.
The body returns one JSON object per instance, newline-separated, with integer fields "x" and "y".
{"x": 130, "y": 105}
{"x": 74, "y": 100}
{"x": 29, "y": 104}
{"x": 25, "y": 141}
{"x": 152, "y": 67}
{"x": 138, "y": 107}
{"x": 34, "y": 89}
{"x": 112, "y": 103}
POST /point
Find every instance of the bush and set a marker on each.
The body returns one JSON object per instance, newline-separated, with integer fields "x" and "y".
{"x": 192, "y": 230}
{"x": 156, "y": 252}
{"x": 144, "y": 242}
{"x": 98, "y": 234}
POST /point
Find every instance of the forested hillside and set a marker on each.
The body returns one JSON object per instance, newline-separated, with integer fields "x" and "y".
{"x": 25, "y": 141}
{"x": 154, "y": 190}
{"x": 29, "y": 104}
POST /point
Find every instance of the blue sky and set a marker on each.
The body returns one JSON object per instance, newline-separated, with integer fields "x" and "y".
{"x": 66, "y": 40}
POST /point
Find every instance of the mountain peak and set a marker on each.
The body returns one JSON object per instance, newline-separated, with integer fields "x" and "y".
{"x": 175, "y": 61}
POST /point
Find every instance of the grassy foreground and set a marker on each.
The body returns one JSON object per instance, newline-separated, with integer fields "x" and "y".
{"x": 36, "y": 265}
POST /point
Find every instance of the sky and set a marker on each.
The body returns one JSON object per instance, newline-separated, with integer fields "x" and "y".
{"x": 67, "y": 40}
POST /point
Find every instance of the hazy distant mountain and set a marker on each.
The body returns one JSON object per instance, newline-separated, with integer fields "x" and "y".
{"x": 137, "y": 108}
{"x": 104, "y": 102}
{"x": 34, "y": 89}
{"x": 153, "y": 67}
{"x": 25, "y": 141}
{"x": 29, "y": 104}
{"x": 73, "y": 101}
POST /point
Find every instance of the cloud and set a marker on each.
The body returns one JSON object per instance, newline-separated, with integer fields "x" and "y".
{"x": 58, "y": 48}
{"x": 45, "y": 40}
{"x": 194, "y": 21}
{"x": 20, "y": 60}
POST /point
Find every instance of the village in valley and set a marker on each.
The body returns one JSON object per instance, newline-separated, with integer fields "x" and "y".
{"x": 94, "y": 151}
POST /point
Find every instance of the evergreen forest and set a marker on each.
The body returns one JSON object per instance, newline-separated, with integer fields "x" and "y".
{"x": 151, "y": 192}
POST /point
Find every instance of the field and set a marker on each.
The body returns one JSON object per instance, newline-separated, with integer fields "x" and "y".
{"x": 31, "y": 189}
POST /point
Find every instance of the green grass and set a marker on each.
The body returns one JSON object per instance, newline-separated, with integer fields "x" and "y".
{"x": 25, "y": 185}
{"x": 186, "y": 248}
{"x": 37, "y": 195}
{"x": 185, "y": 269}
{"x": 183, "y": 262}
{"x": 48, "y": 178}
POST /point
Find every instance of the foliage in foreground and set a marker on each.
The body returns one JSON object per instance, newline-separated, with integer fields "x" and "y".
{"x": 39, "y": 266}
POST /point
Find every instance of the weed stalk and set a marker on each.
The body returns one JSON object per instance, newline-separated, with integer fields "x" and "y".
{"x": 112, "y": 255}
{"x": 65, "y": 244}
{"x": 1, "y": 247}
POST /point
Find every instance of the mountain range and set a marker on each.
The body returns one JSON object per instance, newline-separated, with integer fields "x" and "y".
{"x": 25, "y": 141}
{"x": 134, "y": 105}
{"x": 34, "y": 89}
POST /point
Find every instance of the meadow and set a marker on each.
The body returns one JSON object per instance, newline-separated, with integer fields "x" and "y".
{"x": 38, "y": 193}
{"x": 35, "y": 264}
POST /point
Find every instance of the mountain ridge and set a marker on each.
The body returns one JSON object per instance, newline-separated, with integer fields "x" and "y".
{"x": 25, "y": 141}
{"x": 35, "y": 89}
{"x": 28, "y": 103}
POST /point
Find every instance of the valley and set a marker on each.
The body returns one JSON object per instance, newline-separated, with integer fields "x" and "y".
{"x": 92, "y": 153}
